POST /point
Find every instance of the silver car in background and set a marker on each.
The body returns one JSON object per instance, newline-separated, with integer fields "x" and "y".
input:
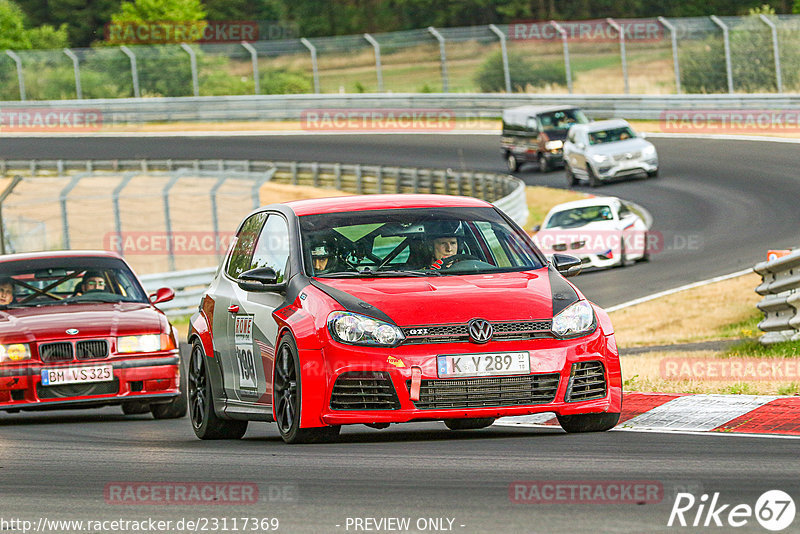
{"x": 606, "y": 150}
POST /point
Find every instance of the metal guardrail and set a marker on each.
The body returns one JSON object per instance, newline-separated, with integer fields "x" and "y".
{"x": 121, "y": 111}
{"x": 505, "y": 191}
{"x": 781, "y": 303}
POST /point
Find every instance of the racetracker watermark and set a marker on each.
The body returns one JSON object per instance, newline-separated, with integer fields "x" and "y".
{"x": 586, "y": 492}
{"x": 212, "y": 31}
{"x": 611, "y": 242}
{"x": 161, "y": 243}
{"x": 50, "y": 120}
{"x": 181, "y": 493}
{"x": 599, "y": 30}
{"x": 371, "y": 119}
{"x": 726, "y": 369}
{"x": 720, "y": 121}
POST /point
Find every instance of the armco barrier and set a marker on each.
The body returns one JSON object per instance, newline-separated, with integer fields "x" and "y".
{"x": 120, "y": 111}
{"x": 781, "y": 303}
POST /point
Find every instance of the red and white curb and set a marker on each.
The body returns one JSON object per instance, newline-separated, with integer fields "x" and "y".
{"x": 648, "y": 412}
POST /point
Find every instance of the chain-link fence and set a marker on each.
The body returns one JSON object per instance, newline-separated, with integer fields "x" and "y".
{"x": 758, "y": 53}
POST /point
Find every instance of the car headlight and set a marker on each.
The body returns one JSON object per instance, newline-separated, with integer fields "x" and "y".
{"x": 355, "y": 329}
{"x": 554, "y": 145}
{"x": 576, "y": 320}
{"x": 649, "y": 150}
{"x": 144, "y": 343}
{"x": 15, "y": 352}
{"x": 599, "y": 158}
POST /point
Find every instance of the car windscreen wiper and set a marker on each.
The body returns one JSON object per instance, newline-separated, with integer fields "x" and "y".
{"x": 369, "y": 273}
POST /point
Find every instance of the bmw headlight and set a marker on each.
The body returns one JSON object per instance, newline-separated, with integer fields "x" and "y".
{"x": 554, "y": 145}
{"x": 576, "y": 320}
{"x": 648, "y": 151}
{"x": 15, "y": 352}
{"x": 599, "y": 158}
{"x": 355, "y": 329}
{"x": 145, "y": 343}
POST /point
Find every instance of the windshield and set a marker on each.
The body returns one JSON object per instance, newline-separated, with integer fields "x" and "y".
{"x": 610, "y": 136}
{"x": 414, "y": 242}
{"x": 23, "y": 285}
{"x": 575, "y": 217}
{"x": 562, "y": 120}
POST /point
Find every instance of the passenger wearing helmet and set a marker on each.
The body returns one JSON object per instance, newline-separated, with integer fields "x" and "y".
{"x": 323, "y": 256}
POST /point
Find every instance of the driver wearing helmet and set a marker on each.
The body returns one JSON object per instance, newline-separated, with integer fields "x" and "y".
{"x": 443, "y": 243}
{"x": 323, "y": 256}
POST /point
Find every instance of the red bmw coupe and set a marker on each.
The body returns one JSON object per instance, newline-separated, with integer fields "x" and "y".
{"x": 77, "y": 330}
{"x": 393, "y": 308}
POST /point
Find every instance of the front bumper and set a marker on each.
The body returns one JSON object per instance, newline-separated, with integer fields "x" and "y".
{"x": 621, "y": 169}
{"x": 549, "y": 358}
{"x": 153, "y": 378}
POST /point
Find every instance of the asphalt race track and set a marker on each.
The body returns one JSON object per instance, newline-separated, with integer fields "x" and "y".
{"x": 718, "y": 205}
{"x": 737, "y": 198}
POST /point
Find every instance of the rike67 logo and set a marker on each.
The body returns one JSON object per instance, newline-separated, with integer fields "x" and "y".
{"x": 774, "y": 510}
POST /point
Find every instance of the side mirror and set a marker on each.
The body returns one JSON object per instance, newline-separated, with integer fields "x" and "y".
{"x": 260, "y": 279}
{"x": 163, "y": 294}
{"x": 566, "y": 264}
{"x": 537, "y": 227}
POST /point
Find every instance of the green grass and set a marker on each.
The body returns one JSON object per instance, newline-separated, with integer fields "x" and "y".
{"x": 754, "y": 349}
{"x": 746, "y": 328}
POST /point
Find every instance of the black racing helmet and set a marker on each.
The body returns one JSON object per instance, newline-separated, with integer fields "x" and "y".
{"x": 324, "y": 248}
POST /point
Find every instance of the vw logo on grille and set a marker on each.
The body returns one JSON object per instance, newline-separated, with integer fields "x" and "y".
{"x": 480, "y": 330}
{"x": 72, "y": 331}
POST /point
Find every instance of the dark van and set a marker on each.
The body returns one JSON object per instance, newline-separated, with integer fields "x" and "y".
{"x": 537, "y": 133}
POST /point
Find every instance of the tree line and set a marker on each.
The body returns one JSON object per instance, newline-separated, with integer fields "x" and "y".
{"x": 79, "y": 23}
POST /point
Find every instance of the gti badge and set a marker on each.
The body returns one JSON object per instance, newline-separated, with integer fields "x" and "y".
{"x": 72, "y": 331}
{"x": 480, "y": 330}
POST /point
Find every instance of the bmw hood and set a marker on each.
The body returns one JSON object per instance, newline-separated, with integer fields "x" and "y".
{"x": 91, "y": 320}
{"x": 514, "y": 296}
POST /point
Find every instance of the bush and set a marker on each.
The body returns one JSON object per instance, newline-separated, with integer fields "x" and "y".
{"x": 285, "y": 82}
{"x": 523, "y": 72}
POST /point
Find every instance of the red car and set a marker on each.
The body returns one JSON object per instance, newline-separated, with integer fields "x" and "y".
{"x": 78, "y": 330}
{"x": 392, "y": 308}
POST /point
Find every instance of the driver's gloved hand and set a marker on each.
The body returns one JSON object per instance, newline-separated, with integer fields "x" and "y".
{"x": 437, "y": 264}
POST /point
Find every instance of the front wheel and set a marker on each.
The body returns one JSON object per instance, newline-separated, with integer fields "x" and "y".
{"x": 512, "y": 163}
{"x": 135, "y": 407}
{"x": 543, "y": 164}
{"x": 469, "y": 424}
{"x": 205, "y": 422}
{"x": 571, "y": 180}
{"x": 287, "y": 389}
{"x": 588, "y": 422}
{"x": 653, "y": 174}
{"x": 594, "y": 181}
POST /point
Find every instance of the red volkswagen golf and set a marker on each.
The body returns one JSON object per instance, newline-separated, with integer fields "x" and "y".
{"x": 392, "y": 308}
{"x": 78, "y": 330}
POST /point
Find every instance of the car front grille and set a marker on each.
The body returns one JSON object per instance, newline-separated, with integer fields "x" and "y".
{"x": 92, "y": 349}
{"x": 454, "y": 333}
{"x": 627, "y": 156}
{"x": 56, "y": 352}
{"x": 64, "y": 351}
{"x": 371, "y": 390}
{"x": 487, "y": 391}
{"x": 587, "y": 381}
{"x": 77, "y": 390}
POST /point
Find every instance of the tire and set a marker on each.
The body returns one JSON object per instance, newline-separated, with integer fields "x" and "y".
{"x": 135, "y": 407}
{"x": 588, "y": 422}
{"x": 646, "y": 254}
{"x": 511, "y": 162}
{"x": 593, "y": 180}
{"x": 571, "y": 180}
{"x": 653, "y": 174}
{"x": 543, "y": 164}
{"x": 469, "y": 424}
{"x": 205, "y": 422}
{"x": 287, "y": 390}
{"x": 177, "y": 407}
{"x": 622, "y": 256}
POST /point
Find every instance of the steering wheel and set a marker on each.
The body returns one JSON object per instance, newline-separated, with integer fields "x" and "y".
{"x": 455, "y": 258}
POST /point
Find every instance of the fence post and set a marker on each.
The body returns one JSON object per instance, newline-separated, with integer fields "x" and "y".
{"x": 617, "y": 27}
{"x": 134, "y": 70}
{"x": 775, "y": 51}
{"x": 567, "y": 68}
{"x": 167, "y": 221}
{"x": 127, "y": 177}
{"x": 3, "y": 196}
{"x": 674, "y": 39}
{"x": 442, "y": 55}
{"x": 76, "y": 68}
{"x": 371, "y": 40}
{"x": 337, "y": 176}
{"x": 215, "y": 215}
{"x": 504, "y": 52}
{"x": 727, "y": 42}
{"x": 193, "y": 63}
{"x": 20, "y": 75}
{"x": 264, "y": 178}
{"x": 315, "y": 174}
{"x": 63, "y": 200}
{"x": 359, "y": 186}
{"x": 254, "y": 58}
{"x": 314, "y": 68}
{"x": 379, "y": 179}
